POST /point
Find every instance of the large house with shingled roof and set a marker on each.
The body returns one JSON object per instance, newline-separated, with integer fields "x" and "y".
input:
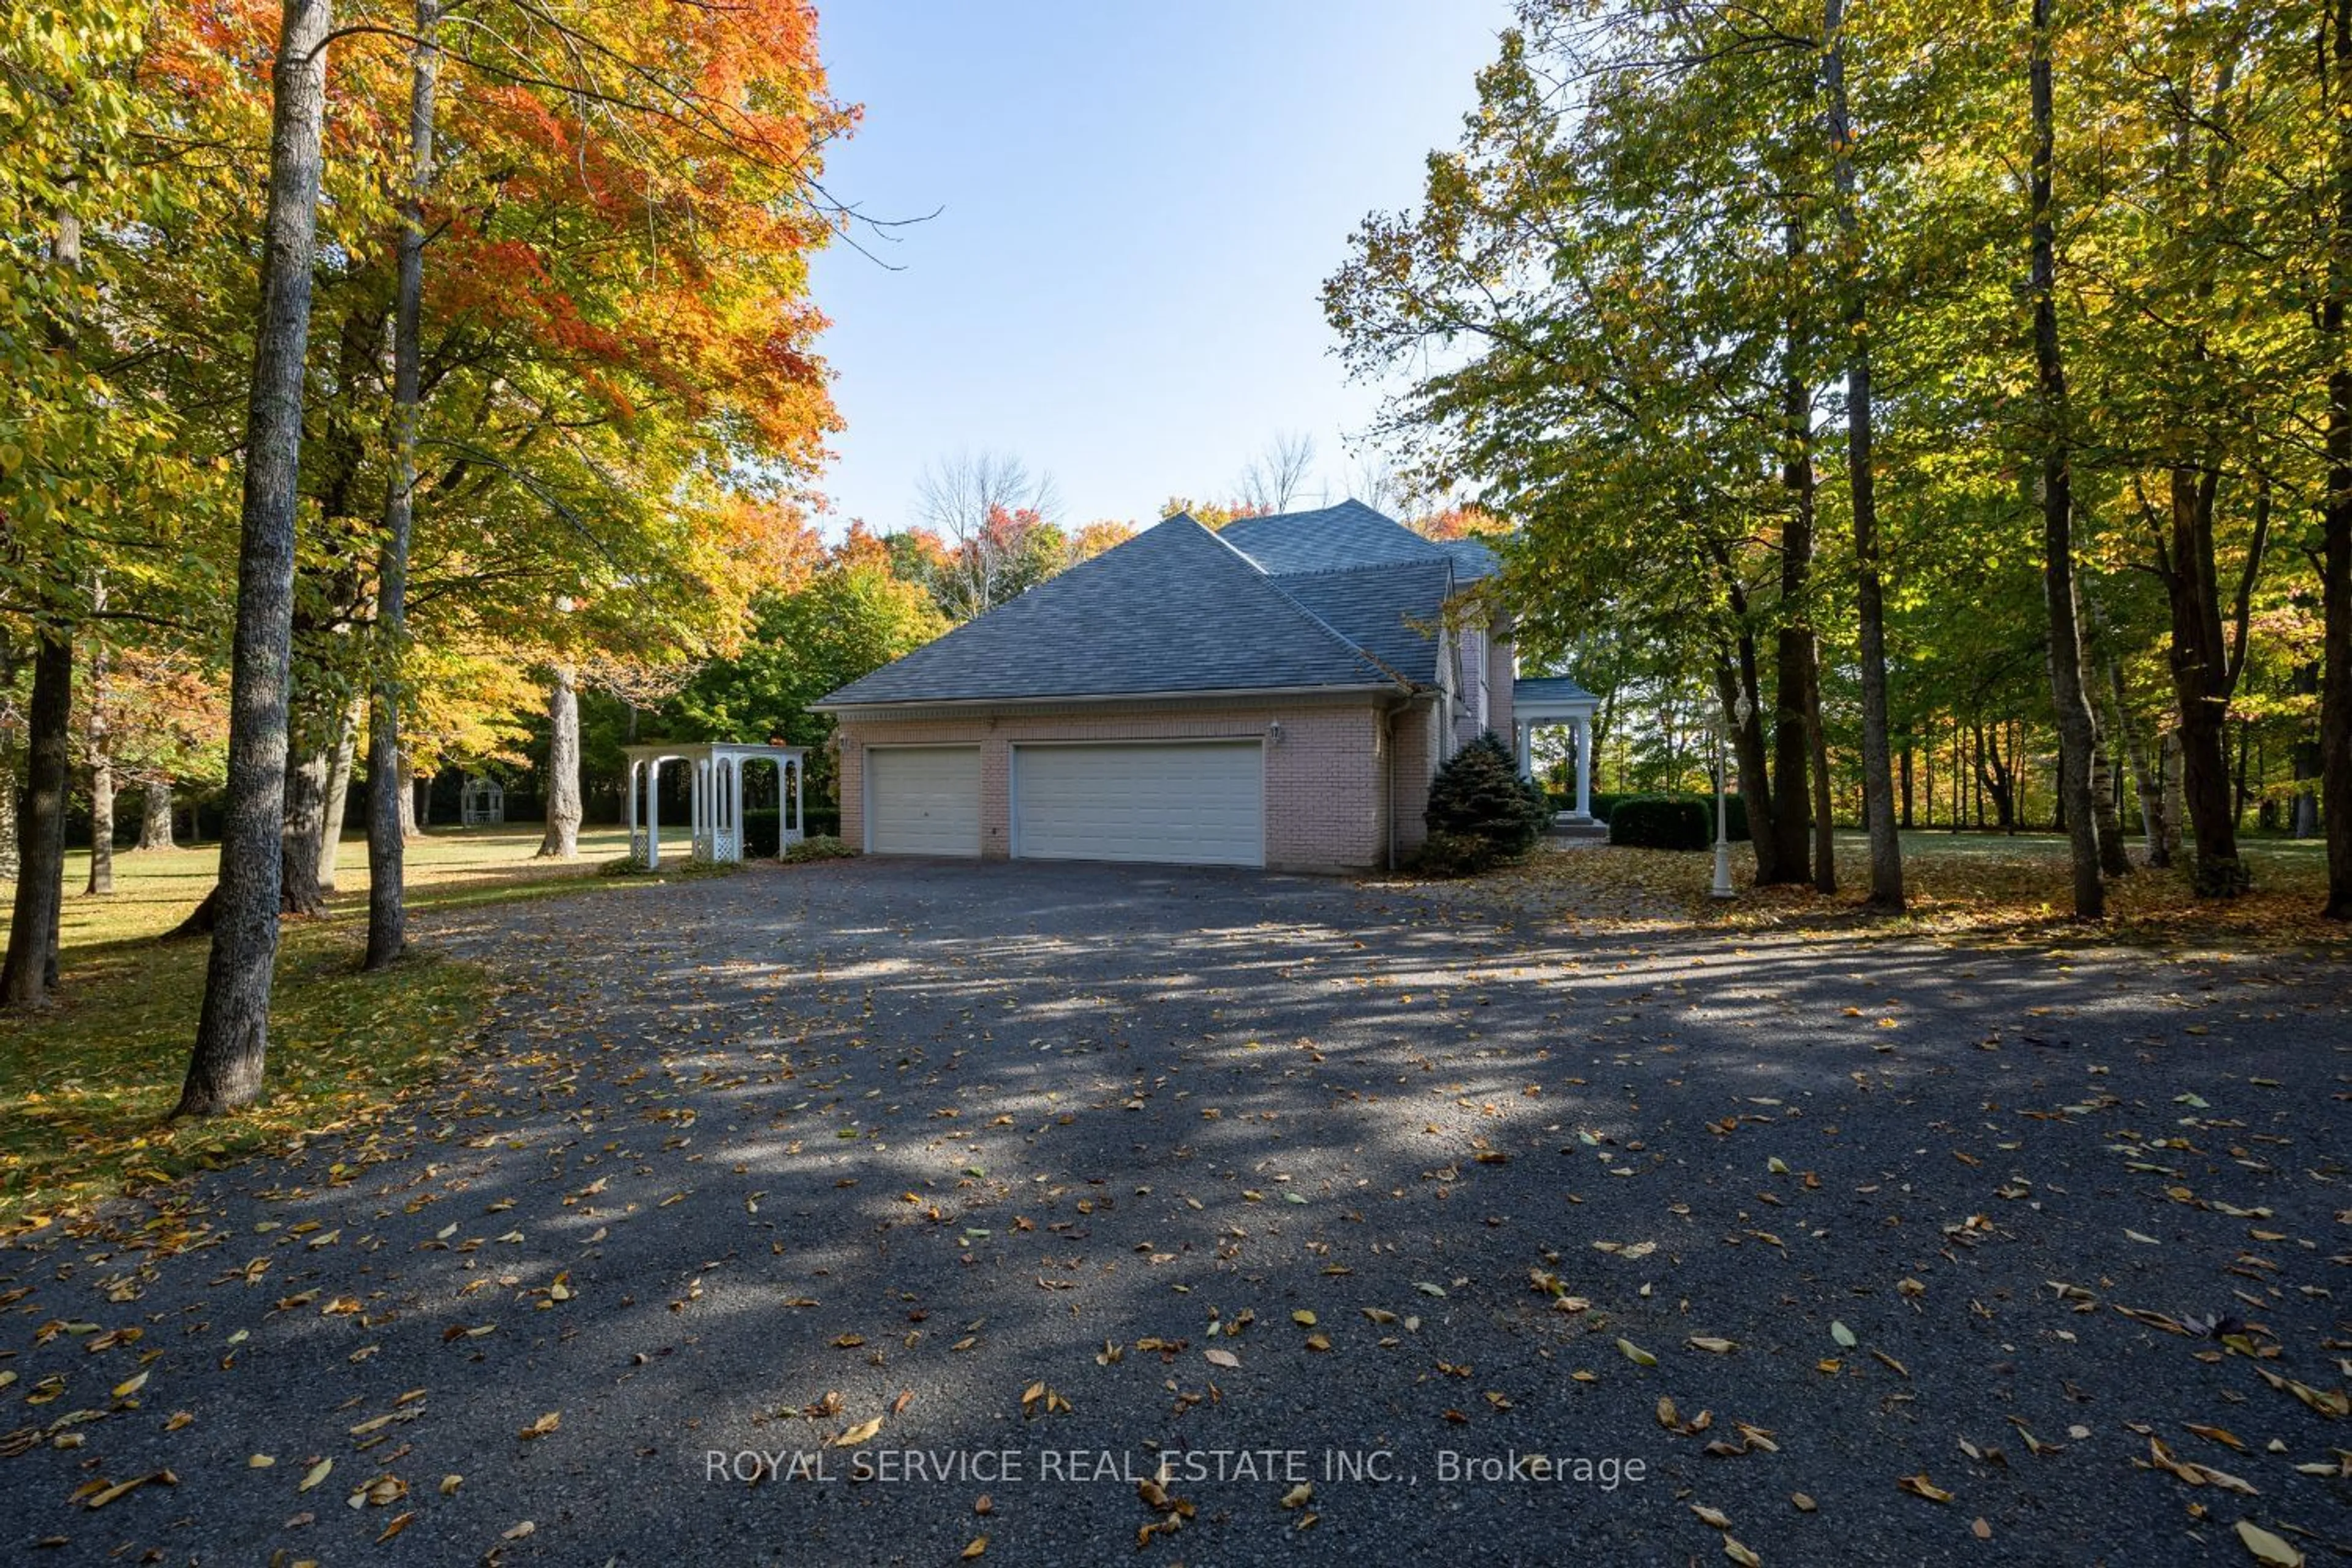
{"x": 1275, "y": 694}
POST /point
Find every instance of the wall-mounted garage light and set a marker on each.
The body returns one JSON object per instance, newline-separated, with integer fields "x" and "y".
{"x": 1273, "y": 732}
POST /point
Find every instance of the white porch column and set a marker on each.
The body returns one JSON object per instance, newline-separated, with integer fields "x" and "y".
{"x": 699, "y": 805}
{"x": 800, "y": 824}
{"x": 632, "y": 793}
{"x": 1584, "y": 767}
{"x": 652, "y": 813}
{"x": 1523, "y": 733}
{"x": 735, "y": 803}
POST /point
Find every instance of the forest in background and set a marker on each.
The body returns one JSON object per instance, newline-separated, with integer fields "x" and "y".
{"x": 1926, "y": 395}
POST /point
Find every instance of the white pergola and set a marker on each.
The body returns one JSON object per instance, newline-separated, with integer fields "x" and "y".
{"x": 1543, "y": 701}
{"x": 715, "y": 804}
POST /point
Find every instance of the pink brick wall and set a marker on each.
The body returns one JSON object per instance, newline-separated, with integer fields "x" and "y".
{"x": 1415, "y": 733}
{"x": 1500, "y": 673}
{"x": 1323, "y": 787}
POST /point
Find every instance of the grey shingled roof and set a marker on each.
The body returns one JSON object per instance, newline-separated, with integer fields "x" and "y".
{"x": 1549, "y": 689}
{"x": 1472, "y": 559}
{"x": 1329, "y": 540}
{"x": 1389, "y": 611}
{"x": 1174, "y": 609}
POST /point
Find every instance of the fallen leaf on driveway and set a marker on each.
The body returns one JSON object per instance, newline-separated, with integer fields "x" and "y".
{"x": 2268, "y": 1549}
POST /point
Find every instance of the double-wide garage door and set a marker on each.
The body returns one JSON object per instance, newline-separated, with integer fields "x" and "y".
{"x": 1195, "y": 802}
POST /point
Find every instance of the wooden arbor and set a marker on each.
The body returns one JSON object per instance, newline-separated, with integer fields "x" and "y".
{"x": 715, "y": 800}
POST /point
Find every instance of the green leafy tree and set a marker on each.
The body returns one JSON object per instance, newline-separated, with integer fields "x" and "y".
{"x": 852, "y": 617}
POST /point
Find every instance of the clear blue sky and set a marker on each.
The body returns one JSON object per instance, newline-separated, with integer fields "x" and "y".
{"x": 1139, "y": 204}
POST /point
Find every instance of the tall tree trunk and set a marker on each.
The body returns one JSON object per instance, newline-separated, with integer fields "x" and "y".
{"x": 561, "y": 841}
{"x": 2202, "y": 683}
{"x": 99, "y": 746}
{"x": 2078, "y": 737}
{"x": 11, "y": 822}
{"x": 387, "y": 905}
{"x": 1795, "y": 716}
{"x": 224, "y": 1066}
{"x": 2336, "y": 527}
{"x": 101, "y": 826}
{"x": 30, "y": 970}
{"x": 2147, "y": 782}
{"x": 2303, "y": 815}
{"x": 339, "y": 796}
{"x": 1735, "y": 688}
{"x": 1825, "y": 879}
{"x": 410, "y": 784}
{"x": 155, "y": 817}
{"x": 298, "y": 888}
{"x": 1877, "y": 749}
{"x": 2113, "y": 860}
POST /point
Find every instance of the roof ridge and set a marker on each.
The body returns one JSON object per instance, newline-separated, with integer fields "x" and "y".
{"x": 1326, "y": 628}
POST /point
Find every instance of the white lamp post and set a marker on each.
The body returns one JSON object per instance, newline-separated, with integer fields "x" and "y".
{"x": 1722, "y": 888}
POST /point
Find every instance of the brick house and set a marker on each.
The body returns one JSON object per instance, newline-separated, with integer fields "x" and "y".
{"x": 1279, "y": 694}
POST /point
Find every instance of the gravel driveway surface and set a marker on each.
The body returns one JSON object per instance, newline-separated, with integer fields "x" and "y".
{"x": 1385, "y": 1233}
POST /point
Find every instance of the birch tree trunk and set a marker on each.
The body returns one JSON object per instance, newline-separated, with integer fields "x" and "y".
{"x": 232, "y": 1043}
{"x": 387, "y": 906}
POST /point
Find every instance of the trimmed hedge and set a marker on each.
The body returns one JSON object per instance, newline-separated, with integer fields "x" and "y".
{"x": 1660, "y": 822}
{"x": 760, "y": 826}
{"x": 1664, "y": 821}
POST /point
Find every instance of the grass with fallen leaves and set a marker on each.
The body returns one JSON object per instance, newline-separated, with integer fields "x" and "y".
{"x": 84, "y": 1083}
{"x": 1992, "y": 887}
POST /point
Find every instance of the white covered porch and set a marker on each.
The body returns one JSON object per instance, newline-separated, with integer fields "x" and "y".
{"x": 714, "y": 823}
{"x": 1547, "y": 701}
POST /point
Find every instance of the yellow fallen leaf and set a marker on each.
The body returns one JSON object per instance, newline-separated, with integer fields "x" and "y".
{"x": 315, "y": 1474}
{"x": 1711, "y": 1344}
{"x": 979, "y": 1544}
{"x": 1298, "y": 1496}
{"x": 1920, "y": 1486}
{"x": 1738, "y": 1550}
{"x": 2268, "y": 1549}
{"x": 1303, "y": 1318}
{"x": 1225, "y": 1359}
{"x": 543, "y": 1427}
{"x": 1635, "y": 1353}
{"x": 862, "y": 1433}
{"x": 130, "y": 1385}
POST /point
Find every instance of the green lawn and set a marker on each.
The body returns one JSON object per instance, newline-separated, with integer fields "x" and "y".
{"x": 85, "y": 1084}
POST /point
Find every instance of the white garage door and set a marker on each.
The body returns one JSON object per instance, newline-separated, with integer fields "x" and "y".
{"x": 922, "y": 800}
{"x": 1190, "y": 802}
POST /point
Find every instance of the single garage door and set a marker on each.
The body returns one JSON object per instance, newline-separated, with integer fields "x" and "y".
{"x": 1191, "y": 803}
{"x": 922, "y": 800}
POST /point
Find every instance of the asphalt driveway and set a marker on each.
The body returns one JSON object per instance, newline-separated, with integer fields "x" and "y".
{"x": 860, "y": 1212}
